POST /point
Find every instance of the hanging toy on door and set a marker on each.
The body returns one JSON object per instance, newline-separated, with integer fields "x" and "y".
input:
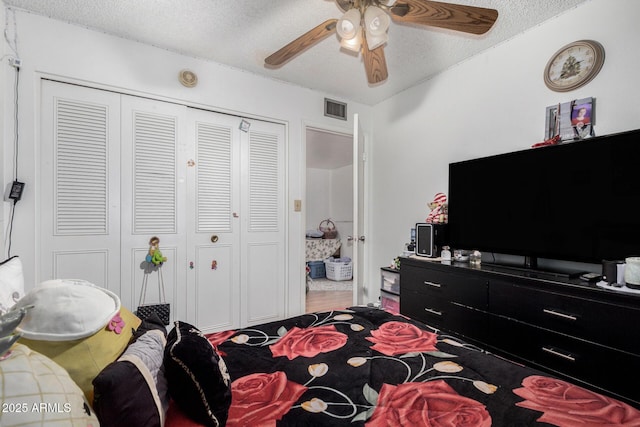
{"x": 439, "y": 210}
{"x": 155, "y": 255}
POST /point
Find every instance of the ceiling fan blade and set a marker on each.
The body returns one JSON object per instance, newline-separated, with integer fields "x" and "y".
{"x": 375, "y": 64}
{"x": 468, "y": 19}
{"x": 300, "y": 44}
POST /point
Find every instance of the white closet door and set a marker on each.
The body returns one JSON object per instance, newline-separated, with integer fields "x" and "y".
{"x": 262, "y": 216}
{"x": 213, "y": 221}
{"x": 79, "y": 185}
{"x": 153, "y": 199}
{"x": 118, "y": 170}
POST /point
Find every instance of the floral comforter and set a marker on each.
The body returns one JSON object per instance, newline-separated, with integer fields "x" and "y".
{"x": 367, "y": 367}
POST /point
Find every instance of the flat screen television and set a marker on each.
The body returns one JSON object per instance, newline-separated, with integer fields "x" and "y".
{"x": 577, "y": 201}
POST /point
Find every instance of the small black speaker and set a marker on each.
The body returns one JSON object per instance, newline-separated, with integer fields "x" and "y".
{"x": 430, "y": 238}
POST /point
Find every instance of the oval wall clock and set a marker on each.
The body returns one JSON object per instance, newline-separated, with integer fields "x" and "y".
{"x": 574, "y": 65}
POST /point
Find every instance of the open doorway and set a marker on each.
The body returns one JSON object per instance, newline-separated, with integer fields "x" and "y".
{"x": 329, "y": 203}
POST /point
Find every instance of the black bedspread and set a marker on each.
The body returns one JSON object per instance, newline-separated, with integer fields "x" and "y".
{"x": 367, "y": 367}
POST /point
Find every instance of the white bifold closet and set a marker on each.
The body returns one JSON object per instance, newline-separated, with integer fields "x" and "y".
{"x": 117, "y": 169}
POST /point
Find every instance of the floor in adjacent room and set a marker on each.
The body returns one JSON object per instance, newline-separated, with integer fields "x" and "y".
{"x": 325, "y": 295}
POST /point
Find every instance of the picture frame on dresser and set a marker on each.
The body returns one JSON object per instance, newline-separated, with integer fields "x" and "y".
{"x": 563, "y": 119}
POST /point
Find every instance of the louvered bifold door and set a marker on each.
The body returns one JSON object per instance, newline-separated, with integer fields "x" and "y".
{"x": 79, "y": 205}
{"x": 153, "y": 199}
{"x": 263, "y": 223}
{"x": 213, "y": 221}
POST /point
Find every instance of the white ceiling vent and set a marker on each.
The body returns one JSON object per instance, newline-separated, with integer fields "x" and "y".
{"x": 335, "y": 109}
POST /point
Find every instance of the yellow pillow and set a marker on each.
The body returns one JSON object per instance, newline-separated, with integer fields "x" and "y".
{"x": 86, "y": 357}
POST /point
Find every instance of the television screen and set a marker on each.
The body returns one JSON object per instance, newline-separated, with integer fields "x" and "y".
{"x": 578, "y": 201}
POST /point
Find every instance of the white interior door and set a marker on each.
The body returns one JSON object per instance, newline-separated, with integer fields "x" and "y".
{"x": 263, "y": 219}
{"x": 359, "y": 239}
{"x": 79, "y": 185}
{"x": 236, "y": 228}
{"x": 213, "y": 258}
{"x": 153, "y": 200}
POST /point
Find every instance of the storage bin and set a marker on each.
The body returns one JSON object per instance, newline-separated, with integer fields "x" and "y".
{"x": 338, "y": 270}
{"x": 390, "y": 302}
{"x": 317, "y": 269}
{"x": 390, "y": 280}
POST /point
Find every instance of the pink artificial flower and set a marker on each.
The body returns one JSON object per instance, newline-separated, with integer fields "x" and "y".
{"x": 116, "y": 324}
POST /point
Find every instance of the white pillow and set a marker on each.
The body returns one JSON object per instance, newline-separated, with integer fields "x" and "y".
{"x": 11, "y": 283}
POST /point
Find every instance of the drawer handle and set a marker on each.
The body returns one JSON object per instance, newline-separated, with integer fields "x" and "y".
{"x": 432, "y": 311}
{"x": 559, "y": 354}
{"x": 556, "y": 313}
{"x": 435, "y": 285}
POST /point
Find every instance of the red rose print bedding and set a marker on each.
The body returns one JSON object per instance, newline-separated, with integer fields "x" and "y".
{"x": 367, "y": 367}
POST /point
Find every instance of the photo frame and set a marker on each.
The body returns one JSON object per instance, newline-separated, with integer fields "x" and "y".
{"x": 573, "y": 120}
{"x": 582, "y": 119}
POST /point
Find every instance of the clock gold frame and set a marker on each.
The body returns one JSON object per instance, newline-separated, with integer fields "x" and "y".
{"x": 585, "y": 76}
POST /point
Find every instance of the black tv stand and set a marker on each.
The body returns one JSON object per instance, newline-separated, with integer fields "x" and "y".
{"x": 532, "y": 270}
{"x": 567, "y": 327}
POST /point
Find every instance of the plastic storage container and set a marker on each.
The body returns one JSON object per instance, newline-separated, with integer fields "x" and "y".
{"x": 337, "y": 270}
{"x": 390, "y": 302}
{"x": 317, "y": 269}
{"x": 390, "y": 280}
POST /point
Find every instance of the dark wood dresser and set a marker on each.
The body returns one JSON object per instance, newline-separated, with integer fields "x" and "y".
{"x": 564, "y": 326}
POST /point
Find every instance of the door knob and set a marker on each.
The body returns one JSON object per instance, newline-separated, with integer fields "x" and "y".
{"x": 214, "y": 238}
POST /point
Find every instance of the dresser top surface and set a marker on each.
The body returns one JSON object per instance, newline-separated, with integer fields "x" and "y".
{"x": 501, "y": 272}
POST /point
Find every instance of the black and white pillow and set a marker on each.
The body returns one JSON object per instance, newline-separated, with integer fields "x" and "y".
{"x": 132, "y": 391}
{"x": 197, "y": 376}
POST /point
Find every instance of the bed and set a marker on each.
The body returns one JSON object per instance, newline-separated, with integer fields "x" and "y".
{"x": 367, "y": 367}
{"x": 359, "y": 366}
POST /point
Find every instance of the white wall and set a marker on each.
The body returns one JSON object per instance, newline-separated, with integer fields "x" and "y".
{"x": 318, "y": 197}
{"x": 492, "y": 103}
{"x": 67, "y": 52}
{"x": 330, "y": 196}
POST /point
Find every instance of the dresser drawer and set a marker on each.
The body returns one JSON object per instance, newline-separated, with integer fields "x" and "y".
{"x": 594, "y": 364}
{"x": 597, "y": 321}
{"x": 423, "y": 280}
{"x": 429, "y": 309}
{"x": 460, "y": 288}
{"x": 466, "y": 321}
{"x": 468, "y": 290}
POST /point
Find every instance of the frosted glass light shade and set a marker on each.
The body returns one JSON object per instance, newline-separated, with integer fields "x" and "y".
{"x": 349, "y": 25}
{"x": 376, "y": 41}
{"x": 353, "y": 43}
{"x": 376, "y": 21}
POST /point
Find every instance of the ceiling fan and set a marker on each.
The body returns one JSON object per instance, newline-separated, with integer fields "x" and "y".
{"x": 364, "y": 25}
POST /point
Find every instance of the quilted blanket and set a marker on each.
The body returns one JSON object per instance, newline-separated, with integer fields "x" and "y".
{"x": 367, "y": 367}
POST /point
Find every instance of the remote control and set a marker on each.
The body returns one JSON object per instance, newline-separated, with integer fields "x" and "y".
{"x": 590, "y": 277}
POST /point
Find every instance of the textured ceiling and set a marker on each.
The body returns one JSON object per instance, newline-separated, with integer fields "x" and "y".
{"x": 241, "y": 33}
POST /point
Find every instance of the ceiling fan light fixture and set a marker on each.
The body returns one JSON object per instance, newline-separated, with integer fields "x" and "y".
{"x": 349, "y": 25}
{"x": 376, "y": 41}
{"x": 376, "y": 21}
{"x": 353, "y": 43}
